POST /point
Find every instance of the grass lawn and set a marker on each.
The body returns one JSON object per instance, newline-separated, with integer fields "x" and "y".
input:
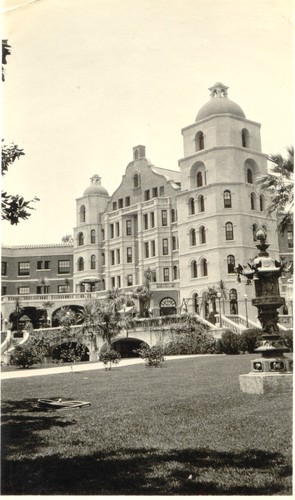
{"x": 184, "y": 429}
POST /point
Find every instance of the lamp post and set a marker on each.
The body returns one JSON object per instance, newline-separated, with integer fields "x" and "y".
{"x": 246, "y": 309}
{"x": 219, "y": 299}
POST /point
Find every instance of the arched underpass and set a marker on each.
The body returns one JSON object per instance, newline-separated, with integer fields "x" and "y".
{"x": 59, "y": 352}
{"x": 127, "y": 346}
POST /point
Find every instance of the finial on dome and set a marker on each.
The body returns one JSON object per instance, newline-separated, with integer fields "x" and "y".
{"x": 218, "y": 90}
{"x": 95, "y": 179}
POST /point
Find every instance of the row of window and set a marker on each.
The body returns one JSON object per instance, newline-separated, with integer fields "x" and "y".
{"x": 24, "y": 268}
{"x": 24, "y": 290}
{"x": 227, "y": 202}
{"x": 81, "y": 239}
{"x": 200, "y": 139}
{"x": 198, "y": 302}
{"x": 120, "y": 203}
{"x": 229, "y": 234}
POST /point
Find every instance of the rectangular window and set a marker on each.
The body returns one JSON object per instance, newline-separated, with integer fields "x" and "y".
{"x": 155, "y": 192}
{"x": 166, "y": 273}
{"x": 3, "y": 268}
{"x": 174, "y": 244}
{"x": 119, "y": 281}
{"x": 152, "y": 218}
{"x": 117, "y": 229}
{"x": 47, "y": 264}
{"x": 118, "y": 255}
{"x": 46, "y": 289}
{"x": 129, "y": 280}
{"x": 153, "y": 248}
{"x": 112, "y": 257}
{"x": 154, "y": 276}
{"x": 175, "y": 273}
{"x": 63, "y": 267}
{"x": 129, "y": 254}
{"x": 39, "y": 264}
{"x": 39, "y": 289}
{"x": 147, "y": 195}
{"x": 145, "y": 221}
{"x": 113, "y": 282}
{"x": 146, "y": 250}
{"x": 127, "y": 201}
{"x": 120, "y": 203}
{"x": 164, "y": 218}
{"x": 173, "y": 215}
{"x": 128, "y": 228}
{"x": 24, "y": 269}
{"x": 165, "y": 246}
{"x": 22, "y": 290}
{"x": 162, "y": 191}
{"x": 63, "y": 289}
{"x": 111, "y": 230}
{"x": 114, "y": 205}
{"x": 4, "y": 290}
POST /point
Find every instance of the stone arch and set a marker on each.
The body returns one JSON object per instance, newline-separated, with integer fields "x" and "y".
{"x": 167, "y": 306}
{"x": 73, "y": 307}
{"x": 63, "y": 346}
{"x": 250, "y": 171}
{"x": 197, "y": 175}
{"x": 126, "y": 346}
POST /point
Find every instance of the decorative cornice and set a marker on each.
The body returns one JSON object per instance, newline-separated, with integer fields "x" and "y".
{"x": 41, "y": 245}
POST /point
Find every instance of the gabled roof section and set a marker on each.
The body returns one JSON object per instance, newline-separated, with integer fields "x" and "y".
{"x": 170, "y": 175}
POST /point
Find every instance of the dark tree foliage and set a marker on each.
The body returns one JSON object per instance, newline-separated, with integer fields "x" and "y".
{"x": 13, "y": 206}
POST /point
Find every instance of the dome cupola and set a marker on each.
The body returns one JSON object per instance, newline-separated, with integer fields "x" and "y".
{"x": 95, "y": 187}
{"x": 219, "y": 104}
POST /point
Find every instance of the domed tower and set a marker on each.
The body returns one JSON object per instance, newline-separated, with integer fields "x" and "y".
{"x": 88, "y": 236}
{"x": 220, "y": 206}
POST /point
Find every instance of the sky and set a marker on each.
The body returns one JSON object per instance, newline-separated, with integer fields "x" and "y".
{"x": 87, "y": 80}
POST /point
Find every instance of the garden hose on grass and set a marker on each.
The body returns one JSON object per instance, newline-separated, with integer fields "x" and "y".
{"x": 59, "y": 404}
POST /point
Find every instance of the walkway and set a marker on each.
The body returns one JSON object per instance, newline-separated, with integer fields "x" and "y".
{"x": 37, "y": 372}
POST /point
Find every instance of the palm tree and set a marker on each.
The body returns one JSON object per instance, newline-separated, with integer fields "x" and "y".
{"x": 18, "y": 311}
{"x": 89, "y": 316}
{"x": 108, "y": 320}
{"x": 66, "y": 318}
{"x": 279, "y": 183}
{"x": 223, "y": 290}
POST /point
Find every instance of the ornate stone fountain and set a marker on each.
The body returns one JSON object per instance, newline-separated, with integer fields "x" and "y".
{"x": 273, "y": 371}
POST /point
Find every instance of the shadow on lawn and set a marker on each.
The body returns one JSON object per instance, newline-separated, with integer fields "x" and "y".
{"x": 128, "y": 471}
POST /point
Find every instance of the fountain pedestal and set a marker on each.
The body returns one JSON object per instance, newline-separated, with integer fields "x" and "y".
{"x": 272, "y": 373}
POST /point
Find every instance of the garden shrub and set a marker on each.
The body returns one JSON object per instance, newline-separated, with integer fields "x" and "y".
{"x": 287, "y": 337}
{"x": 110, "y": 358}
{"x": 191, "y": 343}
{"x": 27, "y": 355}
{"x": 250, "y": 339}
{"x": 154, "y": 356}
{"x": 230, "y": 343}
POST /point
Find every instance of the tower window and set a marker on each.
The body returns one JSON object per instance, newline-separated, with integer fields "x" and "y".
{"x": 199, "y": 141}
{"x": 249, "y": 176}
{"x": 175, "y": 273}
{"x": 229, "y": 231}
{"x": 93, "y": 262}
{"x": 230, "y": 264}
{"x": 128, "y": 228}
{"x": 202, "y": 234}
{"x": 245, "y": 138}
{"x": 129, "y": 254}
{"x": 191, "y": 206}
{"x": 81, "y": 264}
{"x": 201, "y": 203}
{"x": 165, "y": 246}
{"x": 204, "y": 267}
{"x": 82, "y": 213}
{"x": 136, "y": 180}
{"x": 261, "y": 203}
{"x": 92, "y": 236}
{"x": 164, "y": 218}
{"x": 194, "y": 269}
{"x": 193, "y": 241}
{"x": 199, "y": 179}
{"x": 227, "y": 199}
{"x": 80, "y": 239}
{"x": 174, "y": 243}
{"x": 252, "y": 201}
{"x": 254, "y": 230}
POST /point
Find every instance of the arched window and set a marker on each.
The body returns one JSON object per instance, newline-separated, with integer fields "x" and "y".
{"x": 245, "y": 138}
{"x": 80, "y": 264}
{"x": 175, "y": 273}
{"x": 233, "y": 301}
{"x": 253, "y": 200}
{"x": 93, "y": 262}
{"x": 174, "y": 243}
{"x": 194, "y": 269}
{"x": 230, "y": 264}
{"x": 265, "y": 230}
{"x": 254, "y": 230}
{"x": 92, "y": 236}
{"x": 192, "y": 238}
{"x": 136, "y": 180}
{"x": 249, "y": 176}
{"x": 191, "y": 206}
{"x": 204, "y": 267}
{"x": 103, "y": 259}
{"x": 261, "y": 203}
{"x": 82, "y": 213}
{"x": 199, "y": 141}
{"x": 199, "y": 179}
{"x": 227, "y": 198}
{"x": 80, "y": 239}
{"x": 229, "y": 231}
{"x": 173, "y": 215}
{"x": 196, "y": 303}
{"x": 202, "y": 234}
{"x": 201, "y": 203}
{"x": 103, "y": 284}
